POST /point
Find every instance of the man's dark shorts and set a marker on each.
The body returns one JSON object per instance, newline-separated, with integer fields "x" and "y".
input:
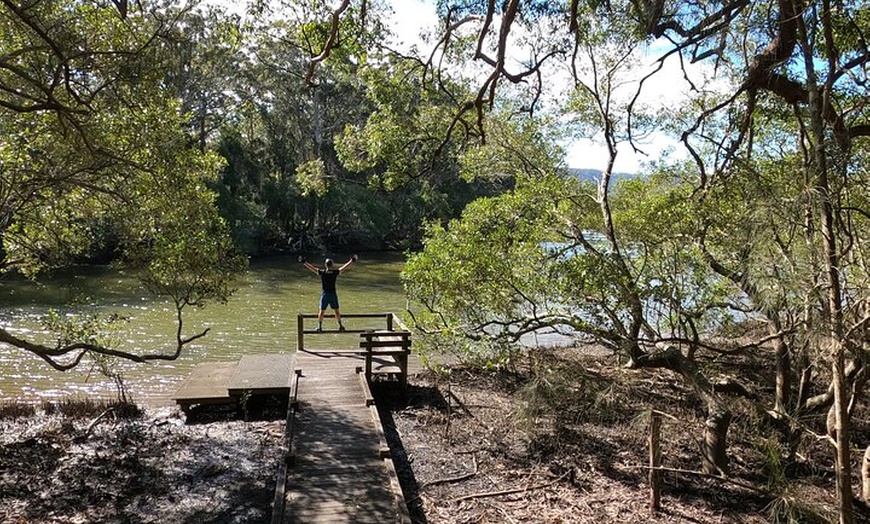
{"x": 330, "y": 299}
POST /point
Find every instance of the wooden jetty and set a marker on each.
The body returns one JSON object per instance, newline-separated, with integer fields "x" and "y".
{"x": 338, "y": 467}
{"x": 228, "y": 382}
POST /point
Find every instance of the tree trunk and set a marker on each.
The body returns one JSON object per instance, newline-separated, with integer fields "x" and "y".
{"x": 714, "y": 450}
{"x": 865, "y": 477}
{"x": 843, "y": 463}
{"x": 805, "y": 383}
{"x": 783, "y": 377}
{"x": 818, "y": 164}
{"x": 203, "y": 114}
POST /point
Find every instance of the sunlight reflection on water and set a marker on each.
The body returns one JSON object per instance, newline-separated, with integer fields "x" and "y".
{"x": 259, "y": 318}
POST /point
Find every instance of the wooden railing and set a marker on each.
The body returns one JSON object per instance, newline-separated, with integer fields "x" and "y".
{"x": 390, "y": 321}
{"x": 392, "y": 343}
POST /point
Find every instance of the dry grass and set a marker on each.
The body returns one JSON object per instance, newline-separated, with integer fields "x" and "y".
{"x": 564, "y": 440}
{"x": 12, "y": 409}
{"x": 87, "y": 407}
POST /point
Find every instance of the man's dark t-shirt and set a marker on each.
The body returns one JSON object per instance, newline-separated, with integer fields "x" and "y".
{"x": 328, "y": 278}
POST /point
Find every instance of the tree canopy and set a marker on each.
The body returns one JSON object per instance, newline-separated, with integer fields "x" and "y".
{"x": 760, "y": 222}
{"x": 95, "y": 158}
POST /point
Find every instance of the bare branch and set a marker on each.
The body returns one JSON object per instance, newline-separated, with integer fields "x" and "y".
{"x": 330, "y": 42}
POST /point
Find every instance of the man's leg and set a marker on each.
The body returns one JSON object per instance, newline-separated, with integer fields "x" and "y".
{"x": 338, "y": 318}
{"x": 320, "y": 314}
{"x": 332, "y": 299}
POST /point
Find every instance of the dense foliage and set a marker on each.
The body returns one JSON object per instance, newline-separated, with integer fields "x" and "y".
{"x": 95, "y": 162}
{"x": 168, "y": 137}
{"x": 763, "y": 221}
{"x": 351, "y": 153}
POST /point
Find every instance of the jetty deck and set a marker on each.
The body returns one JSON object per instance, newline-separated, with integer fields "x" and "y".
{"x": 338, "y": 467}
{"x": 227, "y": 382}
{"x": 341, "y": 469}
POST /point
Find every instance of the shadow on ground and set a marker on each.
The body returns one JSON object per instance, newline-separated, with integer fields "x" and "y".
{"x": 390, "y": 400}
{"x": 254, "y": 408}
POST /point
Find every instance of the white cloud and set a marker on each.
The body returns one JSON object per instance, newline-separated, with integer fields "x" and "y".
{"x": 588, "y": 154}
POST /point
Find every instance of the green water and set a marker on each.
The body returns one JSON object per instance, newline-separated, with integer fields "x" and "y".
{"x": 259, "y": 318}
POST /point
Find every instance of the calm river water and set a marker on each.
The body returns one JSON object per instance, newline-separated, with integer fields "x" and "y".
{"x": 259, "y": 318}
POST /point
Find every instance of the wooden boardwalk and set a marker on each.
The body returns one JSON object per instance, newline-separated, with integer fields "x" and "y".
{"x": 338, "y": 467}
{"x": 341, "y": 470}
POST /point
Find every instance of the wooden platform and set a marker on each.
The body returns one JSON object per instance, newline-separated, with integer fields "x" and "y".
{"x": 262, "y": 374}
{"x": 338, "y": 466}
{"x": 226, "y": 382}
{"x": 206, "y": 384}
{"x": 341, "y": 470}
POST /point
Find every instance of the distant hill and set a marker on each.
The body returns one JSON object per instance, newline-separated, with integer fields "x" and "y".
{"x": 593, "y": 175}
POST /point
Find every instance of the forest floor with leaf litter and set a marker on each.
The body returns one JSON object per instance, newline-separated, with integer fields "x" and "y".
{"x": 566, "y": 444}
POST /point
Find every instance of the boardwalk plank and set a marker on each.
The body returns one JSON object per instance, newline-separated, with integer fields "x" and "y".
{"x": 329, "y": 467}
{"x": 362, "y": 482}
{"x": 262, "y": 374}
{"x": 206, "y": 383}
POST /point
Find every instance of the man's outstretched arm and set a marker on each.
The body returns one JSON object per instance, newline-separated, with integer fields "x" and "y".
{"x": 308, "y": 265}
{"x": 349, "y": 263}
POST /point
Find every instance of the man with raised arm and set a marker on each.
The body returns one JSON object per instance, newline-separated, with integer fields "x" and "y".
{"x": 329, "y": 296}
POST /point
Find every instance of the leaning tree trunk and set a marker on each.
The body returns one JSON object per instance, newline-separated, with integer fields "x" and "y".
{"x": 714, "y": 449}
{"x": 865, "y": 477}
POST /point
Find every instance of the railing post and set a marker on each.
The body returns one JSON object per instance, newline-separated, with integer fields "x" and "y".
{"x": 299, "y": 332}
{"x": 402, "y": 359}
{"x": 369, "y": 334}
{"x": 655, "y": 462}
{"x": 389, "y": 321}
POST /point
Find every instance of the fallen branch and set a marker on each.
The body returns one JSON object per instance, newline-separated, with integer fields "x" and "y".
{"x": 96, "y": 421}
{"x": 450, "y": 480}
{"x": 725, "y": 480}
{"x": 461, "y": 404}
{"x": 509, "y": 491}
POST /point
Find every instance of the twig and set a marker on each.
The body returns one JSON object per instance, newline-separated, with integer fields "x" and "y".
{"x": 504, "y": 514}
{"x": 460, "y": 403}
{"x": 509, "y": 491}
{"x": 94, "y": 422}
{"x": 450, "y": 480}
